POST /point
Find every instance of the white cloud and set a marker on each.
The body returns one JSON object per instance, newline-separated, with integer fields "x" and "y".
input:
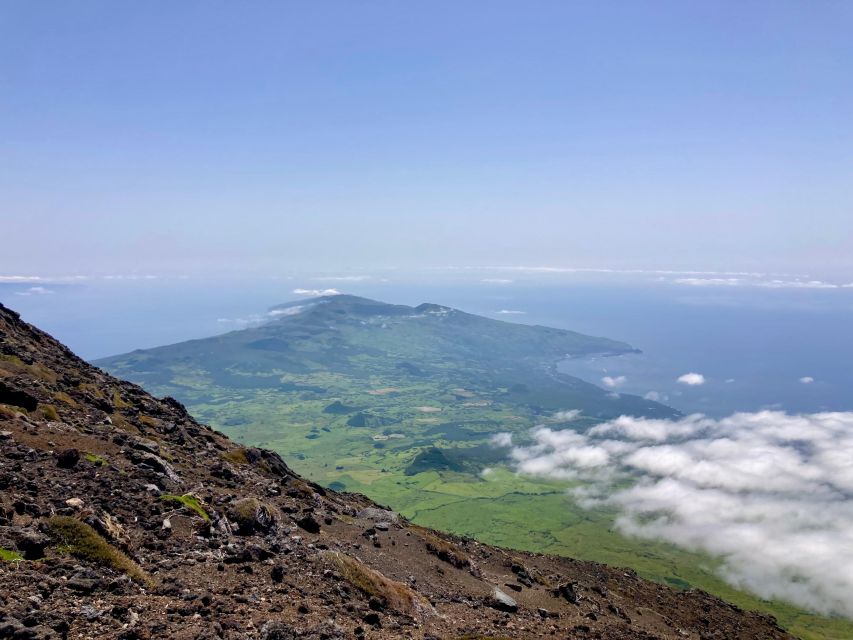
{"x": 611, "y": 383}
{"x": 511, "y": 312}
{"x": 711, "y": 282}
{"x": 34, "y": 291}
{"x": 497, "y": 281}
{"x": 243, "y": 322}
{"x": 806, "y": 380}
{"x": 768, "y": 493}
{"x": 48, "y": 279}
{"x": 317, "y": 292}
{"x": 692, "y": 379}
{"x": 656, "y": 396}
{"x": 567, "y": 416}
{"x": 775, "y": 283}
{"x": 342, "y": 278}
{"x": 289, "y": 311}
{"x": 503, "y": 439}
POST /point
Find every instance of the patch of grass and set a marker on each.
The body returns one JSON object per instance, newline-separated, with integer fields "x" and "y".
{"x": 118, "y": 401}
{"x": 94, "y": 389}
{"x": 49, "y": 412}
{"x": 10, "y": 556}
{"x": 441, "y": 548}
{"x": 149, "y": 421}
{"x": 8, "y": 411}
{"x": 236, "y": 456}
{"x": 123, "y": 423}
{"x": 61, "y": 396}
{"x": 82, "y": 541}
{"x": 95, "y": 459}
{"x": 190, "y": 502}
{"x": 396, "y": 595}
{"x": 14, "y": 365}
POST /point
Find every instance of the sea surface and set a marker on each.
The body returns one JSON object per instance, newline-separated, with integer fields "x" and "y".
{"x": 755, "y": 349}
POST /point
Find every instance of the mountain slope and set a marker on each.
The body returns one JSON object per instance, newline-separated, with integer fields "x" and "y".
{"x": 122, "y": 517}
{"x": 365, "y": 340}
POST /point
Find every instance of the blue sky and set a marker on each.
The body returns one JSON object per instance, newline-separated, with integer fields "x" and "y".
{"x": 204, "y": 138}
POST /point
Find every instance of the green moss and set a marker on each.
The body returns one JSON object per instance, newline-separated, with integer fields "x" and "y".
{"x": 82, "y": 541}
{"x": 10, "y": 556}
{"x": 95, "y": 459}
{"x": 190, "y": 502}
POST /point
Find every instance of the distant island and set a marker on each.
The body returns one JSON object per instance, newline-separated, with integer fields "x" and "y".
{"x": 352, "y": 386}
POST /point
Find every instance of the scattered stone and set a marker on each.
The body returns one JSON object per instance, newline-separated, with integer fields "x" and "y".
{"x": 75, "y": 503}
{"x": 309, "y": 523}
{"x": 568, "y": 592}
{"x": 67, "y": 458}
{"x": 502, "y": 602}
{"x": 83, "y": 585}
{"x": 378, "y": 515}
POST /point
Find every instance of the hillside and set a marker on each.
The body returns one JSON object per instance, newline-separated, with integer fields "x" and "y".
{"x": 307, "y": 346}
{"x": 122, "y": 517}
{"x": 361, "y": 394}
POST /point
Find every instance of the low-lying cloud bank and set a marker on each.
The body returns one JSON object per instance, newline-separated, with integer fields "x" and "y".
{"x": 769, "y": 493}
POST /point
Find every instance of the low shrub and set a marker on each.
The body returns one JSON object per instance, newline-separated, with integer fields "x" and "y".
{"x": 394, "y": 594}
{"x": 190, "y": 502}
{"x": 236, "y": 456}
{"x": 82, "y": 541}
{"x": 441, "y": 548}
{"x": 49, "y": 412}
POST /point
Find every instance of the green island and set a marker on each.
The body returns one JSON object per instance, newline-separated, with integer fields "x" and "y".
{"x": 400, "y": 403}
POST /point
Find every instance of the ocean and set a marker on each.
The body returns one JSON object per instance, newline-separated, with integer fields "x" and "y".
{"x": 787, "y": 349}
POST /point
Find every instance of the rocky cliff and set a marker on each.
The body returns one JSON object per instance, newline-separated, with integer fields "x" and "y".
{"x": 122, "y": 517}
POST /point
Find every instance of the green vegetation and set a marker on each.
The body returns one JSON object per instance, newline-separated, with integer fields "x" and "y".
{"x": 400, "y": 403}
{"x": 190, "y": 502}
{"x": 48, "y": 412}
{"x": 95, "y": 459}
{"x": 236, "y": 456}
{"x": 61, "y": 396}
{"x": 11, "y": 412}
{"x": 10, "y": 556}
{"x": 82, "y": 541}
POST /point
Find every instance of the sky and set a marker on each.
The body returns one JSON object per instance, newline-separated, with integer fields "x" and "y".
{"x": 209, "y": 138}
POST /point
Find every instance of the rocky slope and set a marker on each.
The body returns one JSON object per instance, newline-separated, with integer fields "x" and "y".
{"x": 122, "y": 517}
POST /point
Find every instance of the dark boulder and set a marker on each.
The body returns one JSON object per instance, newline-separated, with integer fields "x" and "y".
{"x": 17, "y": 397}
{"x": 67, "y": 458}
